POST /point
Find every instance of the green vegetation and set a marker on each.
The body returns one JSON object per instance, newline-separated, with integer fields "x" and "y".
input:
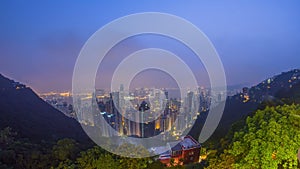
{"x": 269, "y": 139}
{"x": 67, "y": 154}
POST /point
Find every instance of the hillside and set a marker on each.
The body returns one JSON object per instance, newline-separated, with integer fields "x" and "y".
{"x": 23, "y": 111}
{"x": 282, "y": 88}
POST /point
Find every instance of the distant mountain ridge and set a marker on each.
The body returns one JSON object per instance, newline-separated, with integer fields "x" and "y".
{"x": 285, "y": 86}
{"x": 23, "y": 111}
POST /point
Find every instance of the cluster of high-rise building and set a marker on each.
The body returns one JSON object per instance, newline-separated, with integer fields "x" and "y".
{"x": 124, "y": 113}
{"x": 143, "y": 112}
{"x": 139, "y": 114}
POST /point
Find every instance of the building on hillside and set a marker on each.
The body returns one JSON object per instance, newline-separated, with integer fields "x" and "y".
{"x": 180, "y": 153}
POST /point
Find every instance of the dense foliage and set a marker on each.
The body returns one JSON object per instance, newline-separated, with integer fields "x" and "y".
{"x": 66, "y": 153}
{"x": 269, "y": 139}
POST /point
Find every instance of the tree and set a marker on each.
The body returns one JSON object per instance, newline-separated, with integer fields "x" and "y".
{"x": 224, "y": 160}
{"x": 7, "y": 136}
{"x": 67, "y": 164}
{"x": 270, "y": 139}
{"x": 65, "y": 149}
{"x": 96, "y": 158}
{"x": 128, "y": 151}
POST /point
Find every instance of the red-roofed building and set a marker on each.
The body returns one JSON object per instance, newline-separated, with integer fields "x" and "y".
{"x": 184, "y": 152}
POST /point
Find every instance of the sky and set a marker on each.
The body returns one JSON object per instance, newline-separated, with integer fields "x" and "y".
{"x": 40, "y": 40}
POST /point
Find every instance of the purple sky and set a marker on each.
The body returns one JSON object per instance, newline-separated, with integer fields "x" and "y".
{"x": 40, "y": 40}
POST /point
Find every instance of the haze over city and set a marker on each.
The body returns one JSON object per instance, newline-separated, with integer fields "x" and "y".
{"x": 40, "y": 41}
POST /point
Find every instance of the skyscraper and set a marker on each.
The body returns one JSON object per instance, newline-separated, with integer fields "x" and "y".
{"x": 143, "y": 107}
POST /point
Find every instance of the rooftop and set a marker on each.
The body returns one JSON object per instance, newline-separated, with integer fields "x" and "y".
{"x": 188, "y": 142}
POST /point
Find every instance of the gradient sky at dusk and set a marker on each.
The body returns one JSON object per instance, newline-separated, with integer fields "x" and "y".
{"x": 40, "y": 40}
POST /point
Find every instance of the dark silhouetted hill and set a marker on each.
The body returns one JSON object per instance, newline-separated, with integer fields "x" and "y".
{"x": 23, "y": 111}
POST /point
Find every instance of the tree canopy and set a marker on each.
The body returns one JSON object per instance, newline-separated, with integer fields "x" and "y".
{"x": 270, "y": 139}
